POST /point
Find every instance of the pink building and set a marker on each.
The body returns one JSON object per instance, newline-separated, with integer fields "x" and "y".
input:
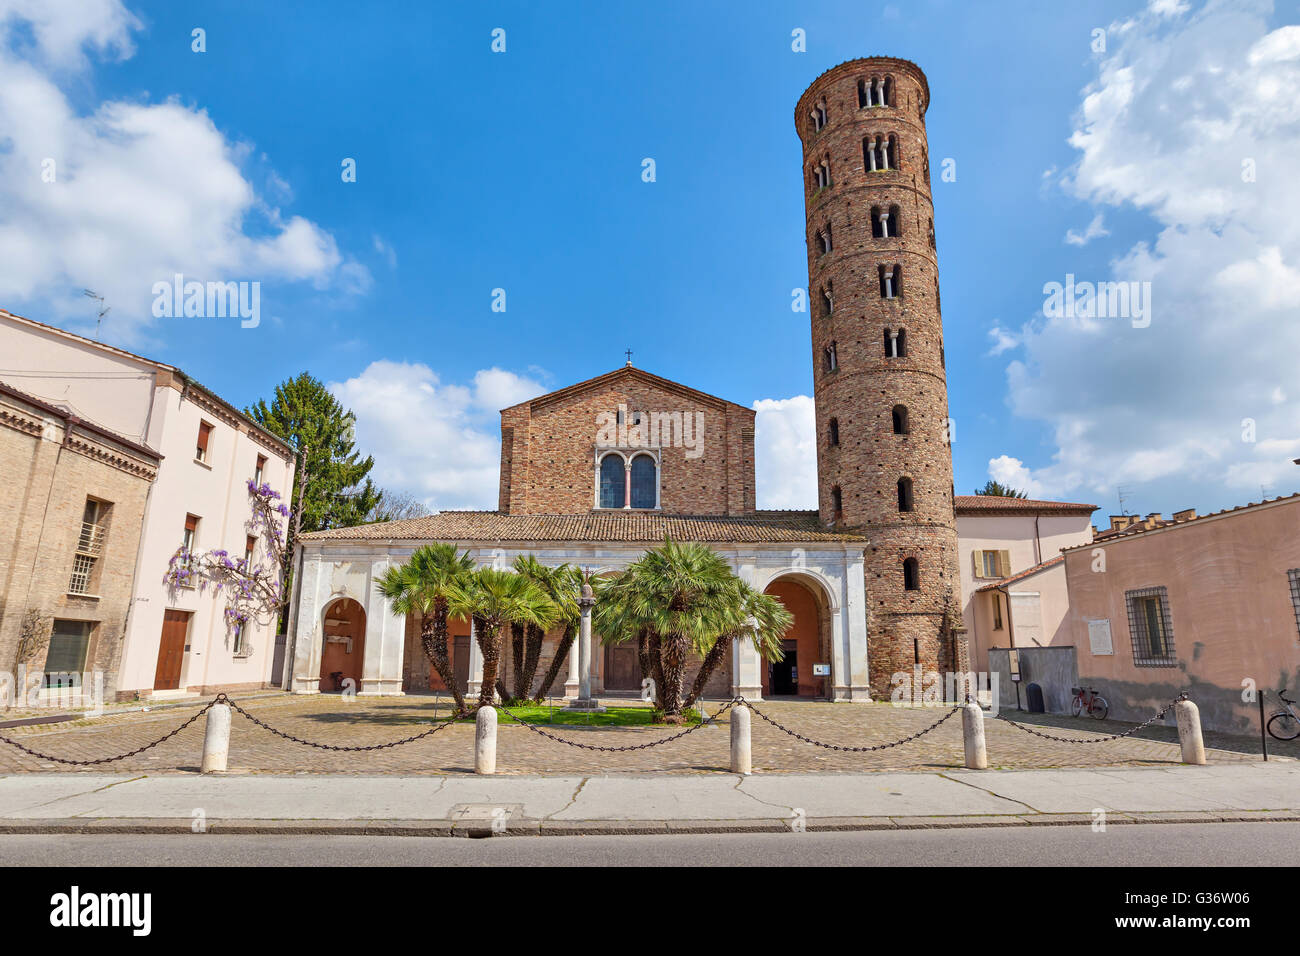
{"x": 1013, "y": 587}
{"x": 178, "y": 640}
{"x": 1209, "y": 605}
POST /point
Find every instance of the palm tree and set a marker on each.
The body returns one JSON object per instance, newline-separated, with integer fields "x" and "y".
{"x": 684, "y": 598}
{"x": 423, "y": 586}
{"x": 495, "y": 598}
{"x": 562, "y": 585}
{"x": 764, "y": 621}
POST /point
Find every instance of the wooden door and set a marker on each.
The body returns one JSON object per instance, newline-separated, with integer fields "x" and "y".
{"x": 171, "y": 650}
{"x": 622, "y": 670}
{"x": 460, "y": 661}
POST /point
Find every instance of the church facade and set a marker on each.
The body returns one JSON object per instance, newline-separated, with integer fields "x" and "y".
{"x": 596, "y": 473}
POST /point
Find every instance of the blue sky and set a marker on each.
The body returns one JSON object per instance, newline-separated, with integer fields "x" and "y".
{"x": 522, "y": 171}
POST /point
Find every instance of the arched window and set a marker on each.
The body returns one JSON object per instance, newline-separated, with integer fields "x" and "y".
{"x": 901, "y": 424}
{"x": 645, "y": 481}
{"x": 879, "y": 223}
{"x": 891, "y": 153}
{"x": 821, "y": 177}
{"x": 612, "y": 477}
{"x": 895, "y": 343}
{"x": 819, "y": 116}
{"x": 895, "y": 222}
{"x": 824, "y": 239}
{"x": 911, "y": 575}
{"x": 904, "y": 494}
{"x": 837, "y": 503}
{"x": 833, "y": 429}
{"x": 828, "y": 300}
{"x": 891, "y": 282}
{"x": 831, "y": 359}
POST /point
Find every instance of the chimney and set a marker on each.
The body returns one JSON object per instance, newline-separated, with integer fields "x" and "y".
{"x": 1185, "y": 515}
{"x": 1120, "y": 522}
{"x": 1154, "y": 520}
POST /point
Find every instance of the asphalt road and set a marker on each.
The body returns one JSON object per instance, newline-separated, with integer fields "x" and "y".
{"x": 1202, "y": 844}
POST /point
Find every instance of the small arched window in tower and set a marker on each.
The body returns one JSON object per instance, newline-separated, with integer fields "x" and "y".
{"x": 879, "y": 223}
{"x": 891, "y": 282}
{"x": 612, "y": 477}
{"x": 837, "y": 504}
{"x": 901, "y": 425}
{"x": 833, "y": 432}
{"x": 930, "y": 223}
{"x": 887, "y": 91}
{"x": 824, "y": 239}
{"x": 819, "y": 116}
{"x": 895, "y": 343}
{"x": 645, "y": 482}
{"x": 829, "y": 358}
{"x": 822, "y": 173}
{"x": 911, "y": 575}
{"x": 904, "y": 494}
{"x": 891, "y": 152}
{"x": 895, "y": 222}
{"x": 828, "y": 300}
{"x": 863, "y": 96}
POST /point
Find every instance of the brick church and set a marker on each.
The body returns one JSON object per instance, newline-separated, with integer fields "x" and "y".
{"x": 596, "y": 473}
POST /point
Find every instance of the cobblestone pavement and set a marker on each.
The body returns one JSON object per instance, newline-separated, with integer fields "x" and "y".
{"x": 329, "y": 719}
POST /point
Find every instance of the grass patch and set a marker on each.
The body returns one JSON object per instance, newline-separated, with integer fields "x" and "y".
{"x": 559, "y": 715}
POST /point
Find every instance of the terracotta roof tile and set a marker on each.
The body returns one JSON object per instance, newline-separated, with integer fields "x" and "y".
{"x": 1027, "y": 572}
{"x": 758, "y": 527}
{"x": 995, "y": 504}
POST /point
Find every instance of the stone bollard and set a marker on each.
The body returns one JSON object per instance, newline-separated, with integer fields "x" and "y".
{"x": 1188, "y": 716}
{"x": 485, "y": 740}
{"x": 972, "y": 731}
{"x": 741, "y": 754}
{"x": 216, "y": 739}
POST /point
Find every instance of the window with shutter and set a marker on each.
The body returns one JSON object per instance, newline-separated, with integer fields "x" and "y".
{"x": 201, "y": 448}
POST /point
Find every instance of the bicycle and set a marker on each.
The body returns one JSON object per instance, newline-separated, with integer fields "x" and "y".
{"x": 1089, "y": 702}
{"x": 1285, "y": 724}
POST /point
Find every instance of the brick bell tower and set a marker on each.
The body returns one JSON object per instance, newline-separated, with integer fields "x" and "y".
{"x": 884, "y": 466}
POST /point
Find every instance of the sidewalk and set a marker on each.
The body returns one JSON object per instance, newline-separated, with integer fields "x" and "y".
{"x": 634, "y": 803}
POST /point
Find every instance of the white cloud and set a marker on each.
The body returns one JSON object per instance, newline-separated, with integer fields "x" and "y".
{"x": 1003, "y": 340}
{"x": 140, "y": 190}
{"x": 786, "y": 451}
{"x": 1194, "y": 121}
{"x": 1012, "y": 473}
{"x": 439, "y": 442}
{"x": 1095, "y": 230}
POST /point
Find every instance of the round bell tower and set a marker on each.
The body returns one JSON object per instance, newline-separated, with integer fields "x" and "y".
{"x": 884, "y": 465}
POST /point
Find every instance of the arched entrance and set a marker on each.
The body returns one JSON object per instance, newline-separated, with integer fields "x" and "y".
{"x": 344, "y": 647}
{"x": 807, "y": 644}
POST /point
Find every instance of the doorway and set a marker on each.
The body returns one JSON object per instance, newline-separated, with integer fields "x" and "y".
{"x": 622, "y": 669}
{"x": 785, "y": 672}
{"x": 171, "y": 650}
{"x": 344, "y": 648}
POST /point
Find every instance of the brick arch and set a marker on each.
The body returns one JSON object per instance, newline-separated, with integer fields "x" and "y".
{"x": 343, "y": 617}
{"x": 807, "y": 597}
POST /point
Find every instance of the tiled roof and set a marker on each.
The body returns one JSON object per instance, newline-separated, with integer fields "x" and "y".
{"x": 759, "y": 527}
{"x": 995, "y": 504}
{"x": 1027, "y": 572}
{"x": 1163, "y": 524}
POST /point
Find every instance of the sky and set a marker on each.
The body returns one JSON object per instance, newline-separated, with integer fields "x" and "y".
{"x": 1151, "y": 144}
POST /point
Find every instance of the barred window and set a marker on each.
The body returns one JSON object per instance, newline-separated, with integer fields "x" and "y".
{"x": 1150, "y": 627}
{"x": 82, "y": 568}
{"x": 1293, "y": 576}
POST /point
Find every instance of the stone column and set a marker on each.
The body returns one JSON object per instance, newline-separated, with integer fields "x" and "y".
{"x": 381, "y": 673}
{"x": 571, "y": 682}
{"x": 585, "y": 701}
{"x": 474, "y": 684}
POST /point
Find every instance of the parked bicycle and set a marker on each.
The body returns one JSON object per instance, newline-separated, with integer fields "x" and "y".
{"x": 1089, "y": 702}
{"x": 1285, "y": 724}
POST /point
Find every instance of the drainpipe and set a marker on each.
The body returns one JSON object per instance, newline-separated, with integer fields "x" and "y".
{"x": 1038, "y": 546}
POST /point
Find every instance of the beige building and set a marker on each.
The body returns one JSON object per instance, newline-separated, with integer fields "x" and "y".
{"x": 1013, "y": 586}
{"x": 1209, "y": 605}
{"x": 69, "y": 540}
{"x": 177, "y": 639}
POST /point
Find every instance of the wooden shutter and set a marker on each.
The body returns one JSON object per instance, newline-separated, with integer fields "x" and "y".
{"x": 977, "y": 559}
{"x": 205, "y": 430}
{"x": 1004, "y": 564}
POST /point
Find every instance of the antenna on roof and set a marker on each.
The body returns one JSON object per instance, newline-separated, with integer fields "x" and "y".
{"x": 103, "y": 309}
{"x": 1123, "y": 494}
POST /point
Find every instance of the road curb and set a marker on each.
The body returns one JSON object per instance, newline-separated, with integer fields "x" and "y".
{"x": 483, "y": 828}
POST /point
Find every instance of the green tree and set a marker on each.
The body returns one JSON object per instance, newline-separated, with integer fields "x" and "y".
{"x": 494, "y": 598}
{"x": 562, "y": 585}
{"x": 333, "y": 488}
{"x": 998, "y": 490}
{"x": 681, "y": 599}
{"x": 423, "y": 586}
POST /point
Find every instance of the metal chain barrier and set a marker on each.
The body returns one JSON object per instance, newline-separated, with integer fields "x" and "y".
{"x": 852, "y": 750}
{"x": 443, "y": 723}
{"x": 645, "y": 746}
{"x": 1097, "y": 740}
{"x": 91, "y": 763}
